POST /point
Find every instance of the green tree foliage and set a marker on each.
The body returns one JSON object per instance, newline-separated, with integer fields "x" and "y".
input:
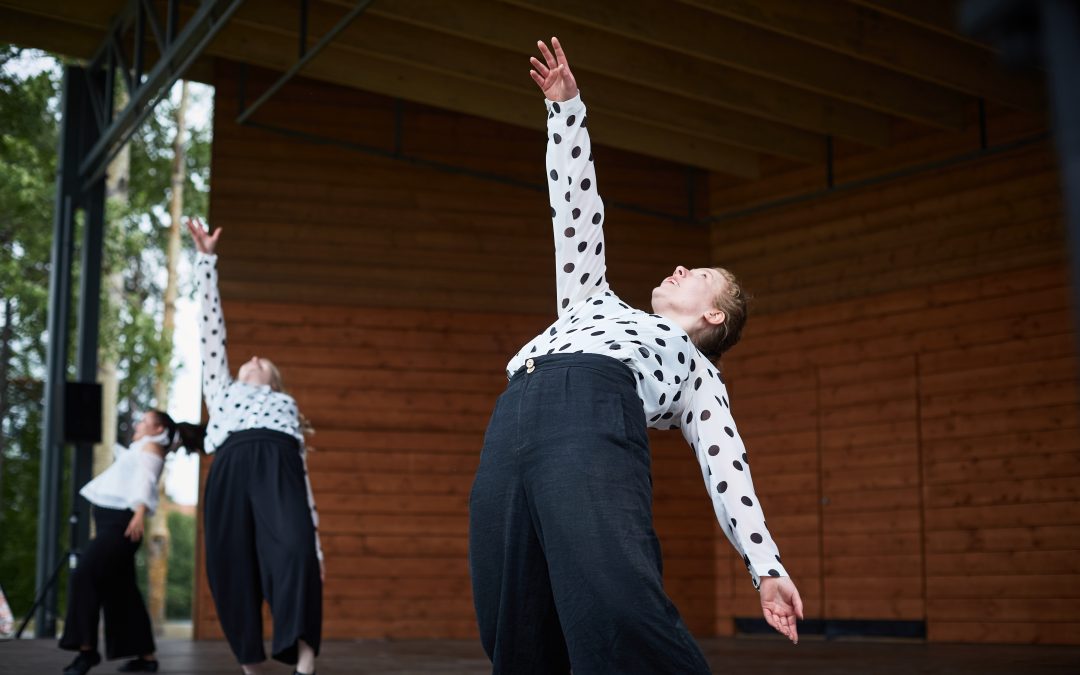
{"x": 134, "y": 246}
{"x": 137, "y": 248}
{"x": 181, "y": 580}
{"x": 28, "y": 136}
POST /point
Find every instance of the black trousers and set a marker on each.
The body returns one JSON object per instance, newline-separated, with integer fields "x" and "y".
{"x": 260, "y": 544}
{"x": 104, "y": 580}
{"x": 566, "y": 567}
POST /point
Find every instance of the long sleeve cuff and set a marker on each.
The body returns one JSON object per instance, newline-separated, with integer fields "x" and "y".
{"x": 563, "y": 109}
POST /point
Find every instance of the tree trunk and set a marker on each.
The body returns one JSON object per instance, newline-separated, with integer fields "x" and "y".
{"x": 176, "y": 209}
{"x": 116, "y": 190}
{"x": 158, "y": 550}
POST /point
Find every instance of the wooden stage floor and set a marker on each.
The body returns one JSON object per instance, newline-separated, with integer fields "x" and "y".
{"x": 745, "y": 656}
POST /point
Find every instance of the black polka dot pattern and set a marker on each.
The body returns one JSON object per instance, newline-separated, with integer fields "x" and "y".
{"x": 678, "y": 387}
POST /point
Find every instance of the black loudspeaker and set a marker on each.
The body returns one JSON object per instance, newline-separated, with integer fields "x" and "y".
{"x": 82, "y": 412}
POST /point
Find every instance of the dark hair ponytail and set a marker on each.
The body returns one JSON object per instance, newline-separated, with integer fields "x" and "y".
{"x": 192, "y": 436}
{"x": 181, "y": 434}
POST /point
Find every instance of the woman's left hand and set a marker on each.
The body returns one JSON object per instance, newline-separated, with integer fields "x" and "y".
{"x": 322, "y": 571}
{"x": 553, "y": 76}
{"x": 204, "y": 241}
{"x": 781, "y": 604}
{"x": 134, "y": 530}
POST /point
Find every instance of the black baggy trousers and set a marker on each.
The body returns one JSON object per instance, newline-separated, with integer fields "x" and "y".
{"x": 104, "y": 580}
{"x": 566, "y": 567}
{"x": 260, "y": 544}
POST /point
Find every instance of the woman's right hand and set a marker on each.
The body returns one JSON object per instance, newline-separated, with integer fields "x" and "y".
{"x": 204, "y": 241}
{"x": 553, "y": 77}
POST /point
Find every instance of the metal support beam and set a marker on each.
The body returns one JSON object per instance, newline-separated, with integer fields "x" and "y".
{"x": 304, "y": 58}
{"x": 73, "y": 107}
{"x": 86, "y": 357}
{"x": 177, "y": 54}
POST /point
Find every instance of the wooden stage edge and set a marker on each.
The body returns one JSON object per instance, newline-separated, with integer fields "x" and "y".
{"x": 743, "y": 655}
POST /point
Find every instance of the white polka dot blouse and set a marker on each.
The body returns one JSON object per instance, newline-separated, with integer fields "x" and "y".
{"x": 233, "y": 405}
{"x": 678, "y": 386}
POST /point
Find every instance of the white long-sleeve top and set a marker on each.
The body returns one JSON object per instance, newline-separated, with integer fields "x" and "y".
{"x": 131, "y": 479}
{"x": 234, "y": 405}
{"x": 678, "y": 386}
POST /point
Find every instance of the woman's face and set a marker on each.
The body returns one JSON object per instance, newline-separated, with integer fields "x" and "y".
{"x": 689, "y": 294}
{"x": 147, "y": 425}
{"x": 256, "y": 372}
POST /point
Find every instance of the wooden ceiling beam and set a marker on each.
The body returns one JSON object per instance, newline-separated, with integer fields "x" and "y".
{"x": 373, "y": 72}
{"x": 872, "y": 36}
{"x": 663, "y": 70}
{"x": 75, "y": 30}
{"x": 392, "y": 78}
{"x": 705, "y": 35}
{"x": 96, "y": 15}
{"x": 29, "y": 30}
{"x": 470, "y": 61}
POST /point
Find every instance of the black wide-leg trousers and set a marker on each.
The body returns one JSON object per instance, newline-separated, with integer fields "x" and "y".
{"x": 104, "y": 581}
{"x": 260, "y": 543}
{"x": 566, "y": 568}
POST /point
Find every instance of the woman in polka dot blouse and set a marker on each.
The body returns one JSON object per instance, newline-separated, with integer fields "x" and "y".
{"x": 566, "y": 567}
{"x": 261, "y": 523}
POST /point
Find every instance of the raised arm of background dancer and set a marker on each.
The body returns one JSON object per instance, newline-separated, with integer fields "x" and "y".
{"x": 577, "y": 212}
{"x": 215, "y": 364}
{"x": 311, "y": 507}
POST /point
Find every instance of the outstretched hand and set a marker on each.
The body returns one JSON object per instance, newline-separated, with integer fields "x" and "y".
{"x": 553, "y": 76}
{"x": 781, "y": 604}
{"x": 204, "y": 241}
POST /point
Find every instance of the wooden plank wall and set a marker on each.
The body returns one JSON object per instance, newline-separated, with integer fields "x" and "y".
{"x": 908, "y": 388}
{"x": 391, "y": 295}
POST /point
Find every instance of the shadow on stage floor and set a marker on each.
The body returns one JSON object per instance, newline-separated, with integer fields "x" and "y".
{"x": 746, "y": 656}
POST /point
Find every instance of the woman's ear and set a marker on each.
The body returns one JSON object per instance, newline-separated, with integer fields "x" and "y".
{"x": 715, "y": 317}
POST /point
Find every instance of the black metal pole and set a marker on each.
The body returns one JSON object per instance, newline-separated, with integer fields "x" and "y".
{"x": 308, "y": 55}
{"x": 52, "y": 444}
{"x": 89, "y": 321}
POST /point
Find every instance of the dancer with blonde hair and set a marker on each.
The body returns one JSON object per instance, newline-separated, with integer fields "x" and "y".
{"x": 261, "y": 525}
{"x": 566, "y": 567}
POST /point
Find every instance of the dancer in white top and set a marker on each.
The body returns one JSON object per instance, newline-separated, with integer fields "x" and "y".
{"x": 566, "y": 567}
{"x": 122, "y": 496}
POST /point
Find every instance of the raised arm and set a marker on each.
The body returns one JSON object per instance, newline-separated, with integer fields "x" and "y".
{"x": 710, "y": 429}
{"x": 215, "y": 365}
{"x": 577, "y": 212}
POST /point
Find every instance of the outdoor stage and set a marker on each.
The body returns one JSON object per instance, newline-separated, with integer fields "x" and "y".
{"x": 746, "y": 656}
